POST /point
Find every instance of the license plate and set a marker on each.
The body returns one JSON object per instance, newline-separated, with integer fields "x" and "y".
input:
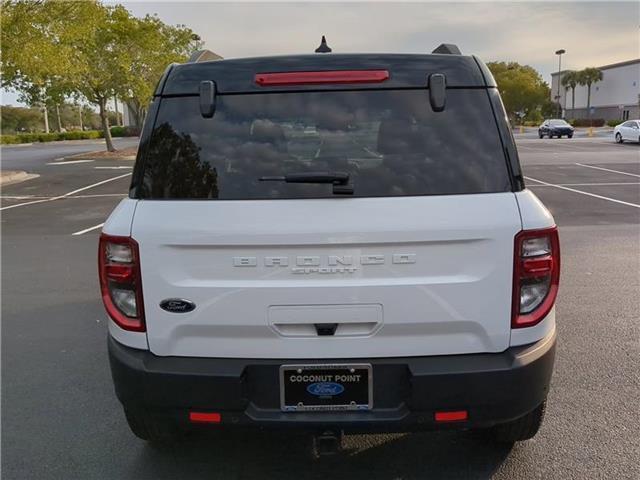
{"x": 305, "y": 388}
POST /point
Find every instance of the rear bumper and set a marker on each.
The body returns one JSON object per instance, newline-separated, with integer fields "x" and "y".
{"x": 492, "y": 388}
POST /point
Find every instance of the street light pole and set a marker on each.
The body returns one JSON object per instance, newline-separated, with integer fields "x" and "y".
{"x": 559, "y": 53}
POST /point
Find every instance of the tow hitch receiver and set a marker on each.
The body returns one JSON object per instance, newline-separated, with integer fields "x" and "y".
{"x": 327, "y": 443}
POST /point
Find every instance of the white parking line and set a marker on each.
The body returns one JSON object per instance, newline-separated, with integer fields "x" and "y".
{"x": 612, "y": 184}
{"x": 95, "y": 195}
{"x": 583, "y": 193}
{"x": 608, "y": 170}
{"x": 20, "y": 197}
{"x": 70, "y": 162}
{"x": 51, "y": 199}
{"x": 98, "y": 195}
{"x": 80, "y": 232}
{"x": 96, "y": 184}
{"x": 113, "y": 168}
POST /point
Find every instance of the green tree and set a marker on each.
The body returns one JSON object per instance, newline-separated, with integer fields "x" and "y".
{"x": 56, "y": 50}
{"x": 522, "y": 89}
{"x": 20, "y": 119}
{"x": 588, "y": 77}
{"x": 37, "y": 40}
{"x": 104, "y": 58}
{"x": 155, "y": 45}
{"x": 571, "y": 80}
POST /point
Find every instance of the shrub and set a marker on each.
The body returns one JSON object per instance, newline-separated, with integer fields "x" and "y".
{"x": 49, "y": 137}
{"x": 125, "y": 131}
{"x": 9, "y": 139}
{"x": 80, "y": 135}
{"x": 613, "y": 123}
{"x": 117, "y": 131}
{"x": 586, "y": 122}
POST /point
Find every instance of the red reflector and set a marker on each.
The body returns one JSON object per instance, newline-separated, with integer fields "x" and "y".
{"x": 456, "y": 416}
{"x": 204, "y": 417}
{"x": 332, "y": 76}
{"x": 119, "y": 273}
{"x": 536, "y": 267}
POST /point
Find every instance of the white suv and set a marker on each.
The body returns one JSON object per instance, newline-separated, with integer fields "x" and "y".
{"x": 306, "y": 244}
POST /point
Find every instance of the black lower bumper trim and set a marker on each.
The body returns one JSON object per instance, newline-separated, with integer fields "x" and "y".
{"x": 492, "y": 387}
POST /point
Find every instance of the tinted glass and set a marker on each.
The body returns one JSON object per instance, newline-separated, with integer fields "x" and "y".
{"x": 389, "y": 141}
{"x": 558, "y": 123}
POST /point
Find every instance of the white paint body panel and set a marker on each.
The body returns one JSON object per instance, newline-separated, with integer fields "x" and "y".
{"x": 119, "y": 222}
{"x": 447, "y": 290}
{"x": 130, "y": 339}
{"x": 533, "y": 212}
{"x": 525, "y": 336}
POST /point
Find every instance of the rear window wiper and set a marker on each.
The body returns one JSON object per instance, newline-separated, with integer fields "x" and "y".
{"x": 339, "y": 180}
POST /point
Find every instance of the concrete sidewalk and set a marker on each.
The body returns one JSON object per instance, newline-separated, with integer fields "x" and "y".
{"x": 128, "y": 153}
{"x": 9, "y": 177}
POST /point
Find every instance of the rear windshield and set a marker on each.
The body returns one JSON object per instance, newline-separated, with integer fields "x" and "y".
{"x": 390, "y": 142}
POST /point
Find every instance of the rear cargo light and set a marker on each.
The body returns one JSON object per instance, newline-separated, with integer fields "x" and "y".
{"x": 204, "y": 417}
{"x": 453, "y": 416}
{"x": 536, "y": 275}
{"x": 120, "y": 281}
{"x": 315, "y": 78}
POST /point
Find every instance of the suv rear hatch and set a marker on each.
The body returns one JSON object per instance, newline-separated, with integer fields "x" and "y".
{"x": 416, "y": 260}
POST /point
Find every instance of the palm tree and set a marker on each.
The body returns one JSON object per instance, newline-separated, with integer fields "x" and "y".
{"x": 587, "y": 77}
{"x": 570, "y": 80}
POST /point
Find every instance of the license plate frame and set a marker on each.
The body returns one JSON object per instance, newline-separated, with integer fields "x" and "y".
{"x": 353, "y": 400}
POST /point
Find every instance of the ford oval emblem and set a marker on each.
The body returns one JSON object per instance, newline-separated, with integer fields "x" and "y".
{"x": 325, "y": 389}
{"x": 177, "y": 305}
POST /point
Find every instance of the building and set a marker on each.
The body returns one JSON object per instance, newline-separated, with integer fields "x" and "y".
{"x": 616, "y": 97}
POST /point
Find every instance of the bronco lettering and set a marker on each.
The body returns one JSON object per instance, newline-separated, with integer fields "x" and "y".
{"x": 306, "y": 264}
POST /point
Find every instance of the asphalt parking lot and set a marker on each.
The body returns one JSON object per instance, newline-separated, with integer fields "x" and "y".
{"x": 60, "y": 417}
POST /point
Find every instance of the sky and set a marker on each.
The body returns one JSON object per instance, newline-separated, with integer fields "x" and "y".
{"x": 592, "y": 33}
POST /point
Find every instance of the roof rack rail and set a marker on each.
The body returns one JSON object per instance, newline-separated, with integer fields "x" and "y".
{"x": 203, "y": 56}
{"x": 448, "y": 49}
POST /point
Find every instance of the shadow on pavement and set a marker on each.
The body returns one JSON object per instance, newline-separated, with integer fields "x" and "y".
{"x": 288, "y": 455}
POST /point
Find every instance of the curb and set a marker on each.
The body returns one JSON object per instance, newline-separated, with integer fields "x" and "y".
{"x": 85, "y": 156}
{"x": 12, "y": 177}
{"x": 89, "y": 156}
{"x": 16, "y": 145}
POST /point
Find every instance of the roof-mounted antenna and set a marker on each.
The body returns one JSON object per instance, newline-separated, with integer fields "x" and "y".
{"x": 323, "y": 48}
{"x": 448, "y": 49}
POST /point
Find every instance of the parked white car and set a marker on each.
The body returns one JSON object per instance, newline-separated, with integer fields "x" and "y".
{"x": 628, "y": 131}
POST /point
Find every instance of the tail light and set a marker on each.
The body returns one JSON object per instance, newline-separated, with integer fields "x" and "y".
{"x": 120, "y": 281}
{"x": 536, "y": 274}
